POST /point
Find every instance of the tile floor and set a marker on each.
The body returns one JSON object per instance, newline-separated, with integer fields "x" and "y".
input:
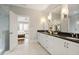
{"x": 29, "y": 48}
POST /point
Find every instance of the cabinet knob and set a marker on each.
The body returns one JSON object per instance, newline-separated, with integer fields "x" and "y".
{"x": 67, "y": 45}
{"x": 64, "y": 44}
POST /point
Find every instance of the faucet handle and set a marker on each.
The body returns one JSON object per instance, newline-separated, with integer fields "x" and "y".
{"x": 76, "y": 36}
{"x": 72, "y": 35}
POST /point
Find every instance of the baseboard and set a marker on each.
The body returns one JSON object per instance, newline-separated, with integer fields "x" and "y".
{"x": 2, "y": 52}
{"x": 9, "y": 51}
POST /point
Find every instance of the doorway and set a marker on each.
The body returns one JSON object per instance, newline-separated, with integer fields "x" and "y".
{"x": 19, "y": 30}
{"x": 23, "y": 29}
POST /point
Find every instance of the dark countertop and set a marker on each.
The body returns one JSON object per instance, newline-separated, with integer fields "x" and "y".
{"x": 61, "y": 36}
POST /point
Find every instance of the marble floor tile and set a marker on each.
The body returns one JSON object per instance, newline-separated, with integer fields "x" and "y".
{"x": 28, "y": 48}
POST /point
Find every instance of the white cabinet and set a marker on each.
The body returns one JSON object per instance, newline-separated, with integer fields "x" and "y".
{"x": 46, "y": 41}
{"x": 42, "y": 39}
{"x": 58, "y": 46}
{"x": 65, "y": 47}
{"x": 50, "y": 43}
{"x": 72, "y": 48}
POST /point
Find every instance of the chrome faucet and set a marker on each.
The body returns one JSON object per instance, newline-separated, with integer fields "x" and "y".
{"x": 73, "y": 34}
{"x": 76, "y": 36}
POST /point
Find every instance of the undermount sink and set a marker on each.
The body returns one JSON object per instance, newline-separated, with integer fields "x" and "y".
{"x": 72, "y": 38}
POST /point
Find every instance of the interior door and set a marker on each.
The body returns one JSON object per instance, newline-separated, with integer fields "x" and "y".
{"x": 13, "y": 30}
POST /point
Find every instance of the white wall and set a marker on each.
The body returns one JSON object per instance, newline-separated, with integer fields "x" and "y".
{"x": 4, "y": 18}
{"x": 4, "y": 27}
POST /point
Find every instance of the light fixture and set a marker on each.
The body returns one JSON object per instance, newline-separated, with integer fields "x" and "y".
{"x": 77, "y": 22}
{"x": 65, "y": 11}
{"x": 43, "y": 20}
{"x": 49, "y": 16}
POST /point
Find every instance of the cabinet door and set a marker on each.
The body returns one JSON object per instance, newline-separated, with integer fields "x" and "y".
{"x": 39, "y": 37}
{"x": 50, "y": 44}
{"x": 45, "y": 41}
{"x": 58, "y": 46}
{"x": 73, "y": 48}
{"x": 42, "y": 39}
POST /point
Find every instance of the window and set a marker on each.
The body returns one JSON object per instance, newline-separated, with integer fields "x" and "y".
{"x": 26, "y": 27}
{"x": 20, "y": 26}
{"x": 23, "y": 26}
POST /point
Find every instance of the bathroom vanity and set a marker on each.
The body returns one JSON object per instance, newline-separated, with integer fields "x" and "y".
{"x": 58, "y": 44}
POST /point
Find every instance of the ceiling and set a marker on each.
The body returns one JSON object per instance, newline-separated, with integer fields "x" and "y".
{"x": 55, "y": 8}
{"x": 39, "y": 7}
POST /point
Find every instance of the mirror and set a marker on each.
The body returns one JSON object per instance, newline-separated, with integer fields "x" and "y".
{"x": 70, "y": 20}
{"x": 74, "y": 18}
{"x": 66, "y": 18}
